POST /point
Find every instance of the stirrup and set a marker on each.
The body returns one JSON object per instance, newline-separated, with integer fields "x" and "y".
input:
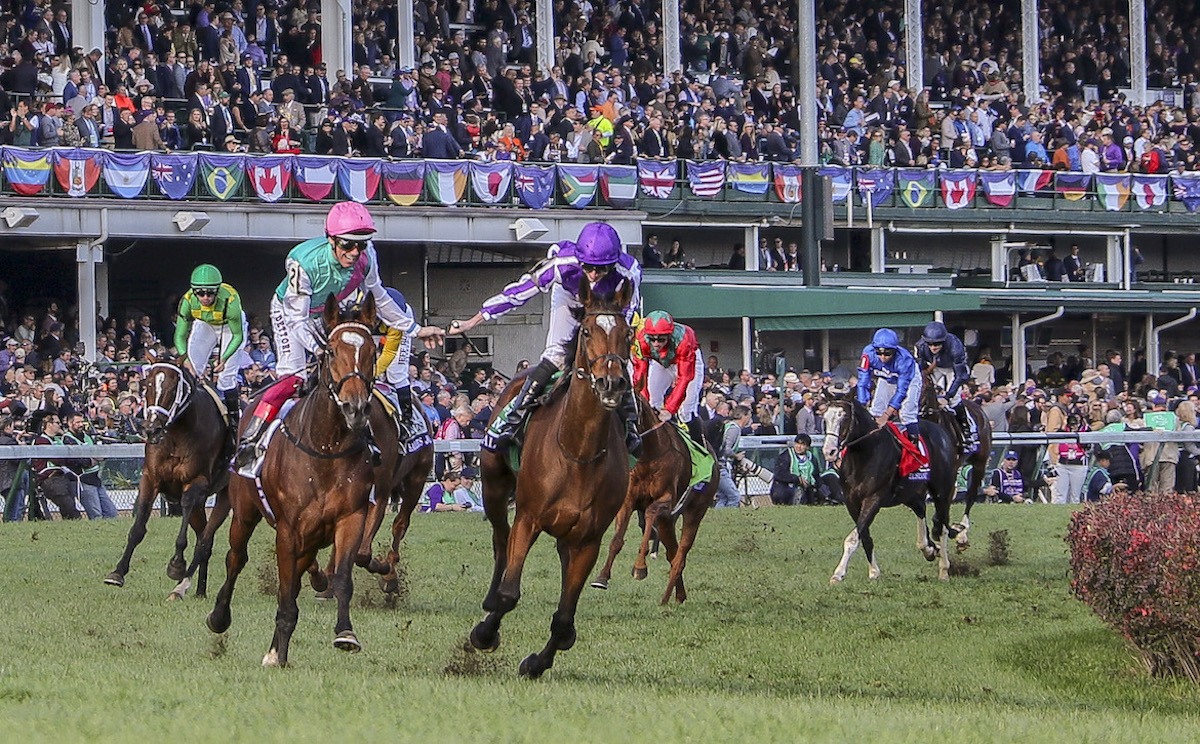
{"x": 248, "y": 461}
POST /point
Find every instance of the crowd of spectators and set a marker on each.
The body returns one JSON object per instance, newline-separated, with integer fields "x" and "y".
{"x": 237, "y": 76}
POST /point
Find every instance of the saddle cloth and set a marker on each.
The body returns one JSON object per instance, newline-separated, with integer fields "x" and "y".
{"x": 913, "y": 457}
{"x": 418, "y": 428}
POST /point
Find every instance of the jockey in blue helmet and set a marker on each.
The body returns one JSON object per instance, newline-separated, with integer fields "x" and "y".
{"x": 941, "y": 354}
{"x": 888, "y": 380}
{"x": 596, "y": 258}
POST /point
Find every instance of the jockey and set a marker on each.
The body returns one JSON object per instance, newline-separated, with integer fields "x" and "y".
{"x": 391, "y": 369}
{"x": 342, "y": 263}
{"x": 596, "y": 258}
{"x": 943, "y": 356}
{"x": 222, "y": 324}
{"x": 672, "y": 348}
{"x": 897, "y": 382}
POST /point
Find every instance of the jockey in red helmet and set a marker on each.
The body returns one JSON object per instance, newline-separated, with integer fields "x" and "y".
{"x": 666, "y": 355}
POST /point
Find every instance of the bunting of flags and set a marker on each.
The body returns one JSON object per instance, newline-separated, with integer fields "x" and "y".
{"x": 875, "y": 185}
{"x": 787, "y": 183}
{"x": 270, "y": 176}
{"x": 1112, "y": 189}
{"x": 706, "y": 178}
{"x": 403, "y": 181}
{"x": 999, "y": 187}
{"x": 492, "y": 181}
{"x": 618, "y": 185}
{"x": 1149, "y": 191}
{"x": 535, "y": 185}
{"x": 657, "y": 177}
{"x": 358, "y": 178}
{"x": 578, "y": 184}
{"x": 174, "y": 174}
{"x": 916, "y": 186}
{"x": 77, "y": 170}
{"x": 445, "y": 180}
{"x": 749, "y": 178}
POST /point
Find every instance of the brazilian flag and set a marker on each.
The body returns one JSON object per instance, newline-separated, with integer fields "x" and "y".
{"x": 223, "y": 175}
{"x": 915, "y": 186}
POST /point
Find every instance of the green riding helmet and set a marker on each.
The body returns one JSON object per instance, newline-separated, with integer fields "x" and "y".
{"x": 206, "y": 276}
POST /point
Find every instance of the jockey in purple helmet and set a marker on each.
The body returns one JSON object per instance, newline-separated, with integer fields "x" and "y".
{"x": 595, "y": 258}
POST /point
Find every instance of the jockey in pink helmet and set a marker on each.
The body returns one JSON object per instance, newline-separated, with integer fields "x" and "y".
{"x": 343, "y": 263}
{"x": 596, "y": 258}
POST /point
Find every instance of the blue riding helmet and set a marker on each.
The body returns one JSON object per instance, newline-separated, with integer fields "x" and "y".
{"x": 935, "y": 333}
{"x": 598, "y": 245}
{"x": 885, "y": 338}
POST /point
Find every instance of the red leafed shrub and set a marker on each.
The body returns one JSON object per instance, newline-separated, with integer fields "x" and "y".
{"x": 1135, "y": 560}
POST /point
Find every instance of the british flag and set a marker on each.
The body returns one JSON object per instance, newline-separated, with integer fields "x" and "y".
{"x": 657, "y": 178}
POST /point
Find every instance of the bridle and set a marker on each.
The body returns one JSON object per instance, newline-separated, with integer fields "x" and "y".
{"x": 183, "y": 393}
{"x": 584, "y": 372}
{"x": 335, "y": 389}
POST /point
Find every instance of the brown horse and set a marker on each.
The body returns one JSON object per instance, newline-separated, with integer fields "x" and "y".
{"x": 187, "y": 459}
{"x": 573, "y": 477}
{"x": 658, "y": 488}
{"x": 315, "y": 484}
{"x": 932, "y": 409}
{"x": 402, "y": 477}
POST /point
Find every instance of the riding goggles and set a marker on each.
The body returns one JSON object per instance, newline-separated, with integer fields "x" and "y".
{"x": 658, "y": 339}
{"x": 596, "y": 268}
{"x": 884, "y": 352}
{"x": 352, "y": 246}
{"x": 204, "y": 291}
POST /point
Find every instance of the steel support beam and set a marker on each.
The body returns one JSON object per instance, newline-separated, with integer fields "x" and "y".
{"x": 670, "y": 35}
{"x": 87, "y": 257}
{"x": 1137, "y": 51}
{"x": 406, "y": 52}
{"x": 336, "y": 42}
{"x": 914, "y": 46}
{"x": 1020, "y": 356}
{"x": 806, "y": 72}
{"x": 878, "y": 250}
{"x": 544, "y": 31}
{"x": 87, "y": 25}
{"x": 1031, "y": 60}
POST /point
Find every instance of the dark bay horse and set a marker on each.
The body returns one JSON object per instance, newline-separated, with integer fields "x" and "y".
{"x": 315, "y": 485}
{"x": 869, "y": 472}
{"x": 573, "y": 477}
{"x": 932, "y": 409}
{"x": 657, "y": 485}
{"x": 187, "y": 459}
{"x": 399, "y": 479}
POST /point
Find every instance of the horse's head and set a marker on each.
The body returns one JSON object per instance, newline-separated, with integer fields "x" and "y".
{"x": 838, "y": 418}
{"x": 349, "y": 367}
{"x": 168, "y": 390}
{"x": 604, "y": 342}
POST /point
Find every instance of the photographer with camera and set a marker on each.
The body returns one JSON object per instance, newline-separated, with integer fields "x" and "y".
{"x": 57, "y": 481}
{"x": 92, "y": 493}
{"x": 14, "y": 474}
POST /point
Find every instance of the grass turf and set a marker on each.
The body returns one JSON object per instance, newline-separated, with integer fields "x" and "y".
{"x": 763, "y": 650}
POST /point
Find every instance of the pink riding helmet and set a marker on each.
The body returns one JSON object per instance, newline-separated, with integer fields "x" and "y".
{"x": 349, "y": 219}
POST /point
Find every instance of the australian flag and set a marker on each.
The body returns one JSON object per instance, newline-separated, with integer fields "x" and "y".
{"x": 535, "y": 184}
{"x": 1187, "y": 190}
{"x": 173, "y": 174}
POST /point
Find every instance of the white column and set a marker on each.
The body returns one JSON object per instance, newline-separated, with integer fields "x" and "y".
{"x": 1031, "y": 62}
{"x": 1113, "y": 260}
{"x": 1017, "y": 373}
{"x": 878, "y": 251}
{"x": 1137, "y": 50}
{"x": 806, "y": 72}
{"x": 670, "y": 36}
{"x": 406, "y": 53}
{"x": 87, "y": 257}
{"x": 747, "y": 344}
{"x": 336, "y": 50}
{"x": 999, "y": 259}
{"x": 750, "y": 236}
{"x": 87, "y": 25}
{"x": 544, "y": 15}
{"x": 914, "y": 45}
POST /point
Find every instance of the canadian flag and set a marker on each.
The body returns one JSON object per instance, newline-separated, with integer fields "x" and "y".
{"x": 270, "y": 180}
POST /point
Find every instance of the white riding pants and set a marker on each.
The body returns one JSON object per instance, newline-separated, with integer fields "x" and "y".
{"x": 659, "y": 379}
{"x": 204, "y": 339}
{"x": 943, "y": 377}
{"x": 884, "y": 391}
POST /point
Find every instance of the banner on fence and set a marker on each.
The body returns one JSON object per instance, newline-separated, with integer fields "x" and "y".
{"x": 77, "y": 170}
{"x": 535, "y": 185}
{"x": 174, "y": 174}
{"x": 657, "y": 177}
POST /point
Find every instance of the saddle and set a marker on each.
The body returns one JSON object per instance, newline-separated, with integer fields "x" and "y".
{"x": 913, "y": 457}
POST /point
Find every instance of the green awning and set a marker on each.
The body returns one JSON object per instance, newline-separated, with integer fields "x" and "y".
{"x": 804, "y": 308}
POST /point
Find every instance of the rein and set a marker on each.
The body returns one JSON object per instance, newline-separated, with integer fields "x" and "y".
{"x": 584, "y": 372}
{"x": 183, "y": 393}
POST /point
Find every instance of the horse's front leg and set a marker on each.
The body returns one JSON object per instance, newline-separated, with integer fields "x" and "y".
{"x": 193, "y": 494}
{"x": 498, "y": 483}
{"x": 504, "y": 596}
{"x": 617, "y": 544}
{"x": 849, "y": 546}
{"x": 245, "y": 519}
{"x": 147, "y": 492}
{"x": 577, "y": 562}
{"x": 291, "y": 566}
{"x": 204, "y": 546}
{"x": 348, "y": 536}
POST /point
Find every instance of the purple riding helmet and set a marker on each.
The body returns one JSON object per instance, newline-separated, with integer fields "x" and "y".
{"x": 598, "y": 244}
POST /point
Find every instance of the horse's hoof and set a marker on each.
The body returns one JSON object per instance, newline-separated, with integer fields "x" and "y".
{"x": 835, "y": 580}
{"x": 174, "y": 597}
{"x": 326, "y": 594}
{"x": 346, "y": 641}
{"x": 531, "y": 667}
{"x": 930, "y": 555}
{"x": 962, "y": 546}
{"x": 600, "y": 583}
{"x": 215, "y": 625}
{"x": 271, "y": 659}
{"x": 955, "y": 528}
{"x": 319, "y": 581}
{"x": 389, "y": 585}
{"x": 176, "y": 571}
{"x": 114, "y": 579}
{"x": 640, "y": 573}
{"x": 482, "y": 642}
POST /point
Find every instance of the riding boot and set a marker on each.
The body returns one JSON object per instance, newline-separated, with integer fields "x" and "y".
{"x": 248, "y": 458}
{"x": 970, "y": 440}
{"x": 696, "y": 431}
{"x": 629, "y": 413}
{"x": 372, "y": 448}
{"x": 404, "y": 413}
{"x": 914, "y": 433}
{"x": 535, "y": 385}
{"x": 233, "y": 409}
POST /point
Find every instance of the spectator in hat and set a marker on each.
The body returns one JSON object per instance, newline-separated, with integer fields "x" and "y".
{"x": 1100, "y": 482}
{"x": 1159, "y": 459}
{"x": 1006, "y": 484}
{"x": 345, "y": 136}
{"x": 465, "y": 494}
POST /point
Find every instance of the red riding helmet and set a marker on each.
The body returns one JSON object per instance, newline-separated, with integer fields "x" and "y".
{"x": 659, "y": 323}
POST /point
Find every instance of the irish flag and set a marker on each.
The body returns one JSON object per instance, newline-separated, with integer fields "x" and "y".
{"x": 445, "y": 180}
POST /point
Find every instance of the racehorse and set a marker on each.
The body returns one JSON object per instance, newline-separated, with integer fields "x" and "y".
{"x": 187, "y": 459}
{"x": 402, "y": 477}
{"x": 573, "y": 477}
{"x": 869, "y": 471}
{"x": 932, "y": 409}
{"x": 315, "y": 484}
{"x": 658, "y": 488}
